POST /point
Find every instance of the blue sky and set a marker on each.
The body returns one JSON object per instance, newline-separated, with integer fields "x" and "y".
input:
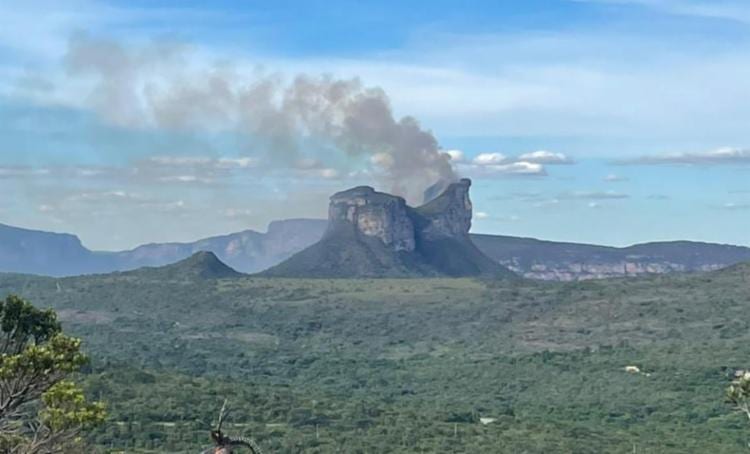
{"x": 605, "y": 121}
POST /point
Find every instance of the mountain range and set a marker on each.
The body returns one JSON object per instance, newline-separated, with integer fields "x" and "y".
{"x": 59, "y": 254}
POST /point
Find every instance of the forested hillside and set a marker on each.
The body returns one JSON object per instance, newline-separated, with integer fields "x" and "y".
{"x": 411, "y": 365}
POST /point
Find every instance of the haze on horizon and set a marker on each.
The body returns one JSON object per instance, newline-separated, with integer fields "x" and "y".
{"x": 601, "y": 121}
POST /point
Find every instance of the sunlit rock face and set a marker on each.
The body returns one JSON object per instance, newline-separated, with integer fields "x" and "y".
{"x": 373, "y": 214}
{"x": 388, "y": 218}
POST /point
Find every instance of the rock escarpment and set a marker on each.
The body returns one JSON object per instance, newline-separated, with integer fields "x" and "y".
{"x": 373, "y": 214}
{"x": 555, "y": 261}
{"x": 374, "y": 234}
{"x": 448, "y": 215}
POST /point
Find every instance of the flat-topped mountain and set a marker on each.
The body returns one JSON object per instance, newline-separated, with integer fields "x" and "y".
{"x": 37, "y": 252}
{"x": 558, "y": 261}
{"x": 374, "y": 234}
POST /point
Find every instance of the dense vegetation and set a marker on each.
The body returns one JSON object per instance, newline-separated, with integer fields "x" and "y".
{"x": 41, "y": 411}
{"x": 357, "y": 366}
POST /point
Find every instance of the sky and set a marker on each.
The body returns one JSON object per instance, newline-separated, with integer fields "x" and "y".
{"x": 600, "y": 121}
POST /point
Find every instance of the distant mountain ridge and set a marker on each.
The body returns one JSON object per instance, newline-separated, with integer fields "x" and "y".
{"x": 247, "y": 251}
{"x": 37, "y": 252}
{"x": 59, "y": 254}
{"x": 559, "y": 261}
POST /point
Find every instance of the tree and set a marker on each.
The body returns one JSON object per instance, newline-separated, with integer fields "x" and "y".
{"x": 738, "y": 393}
{"x": 41, "y": 411}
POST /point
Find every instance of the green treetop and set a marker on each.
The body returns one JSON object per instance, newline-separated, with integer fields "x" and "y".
{"x": 40, "y": 410}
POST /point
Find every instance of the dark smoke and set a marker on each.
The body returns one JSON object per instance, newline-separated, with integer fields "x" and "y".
{"x": 157, "y": 87}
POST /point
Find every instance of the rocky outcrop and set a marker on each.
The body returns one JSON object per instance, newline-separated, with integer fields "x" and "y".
{"x": 389, "y": 219}
{"x": 373, "y": 234}
{"x": 374, "y": 215}
{"x": 448, "y": 215}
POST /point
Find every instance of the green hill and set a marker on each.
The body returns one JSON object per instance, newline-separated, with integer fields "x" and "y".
{"x": 201, "y": 265}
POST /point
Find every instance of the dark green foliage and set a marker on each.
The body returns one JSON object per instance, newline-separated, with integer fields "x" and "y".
{"x": 350, "y": 366}
{"x": 22, "y": 324}
{"x": 201, "y": 265}
{"x": 40, "y": 411}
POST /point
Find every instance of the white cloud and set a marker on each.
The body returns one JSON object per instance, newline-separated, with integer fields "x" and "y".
{"x": 720, "y": 156}
{"x": 613, "y": 178}
{"x": 499, "y": 164}
{"x": 509, "y": 169}
{"x": 204, "y": 162}
{"x": 185, "y": 179}
{"x": 546, "y": 157}
{"x": 484, "y": 159}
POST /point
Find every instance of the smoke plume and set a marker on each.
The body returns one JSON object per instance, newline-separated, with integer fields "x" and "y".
{"x": 340, "y": 121}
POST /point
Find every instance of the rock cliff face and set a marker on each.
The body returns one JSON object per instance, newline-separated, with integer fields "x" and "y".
{"x": 448, "y": 215}
{"x": 373, "y": 234}
{"x": 389, "y": 219}
{"x": 374, "y": 215}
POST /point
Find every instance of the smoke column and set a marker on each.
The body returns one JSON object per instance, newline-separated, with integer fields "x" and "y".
{"x": 158, "y": 86}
